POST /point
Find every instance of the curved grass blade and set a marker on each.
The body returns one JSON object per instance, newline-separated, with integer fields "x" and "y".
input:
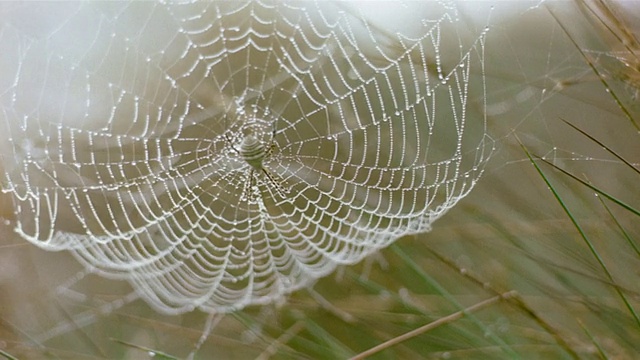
{"x": 578, "y": 228}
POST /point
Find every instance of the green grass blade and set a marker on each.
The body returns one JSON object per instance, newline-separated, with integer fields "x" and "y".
{"x": 610, "y": 197}
{"x": 583, "y": 235}
{"x": 7, "y": 355}
{"x": 595, "y": 342}
{"x": 515, "y": 300}
{"x": 432, "y": 325}
{"x": 432, "y": 282}
{"x": 335, "y": 347}
{"x": 600, "y": 76}
{"x": 618, "y": 156}
{"x": 624, "y": 233}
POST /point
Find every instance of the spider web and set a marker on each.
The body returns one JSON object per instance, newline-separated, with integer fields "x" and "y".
{"x": 122, "y": 140}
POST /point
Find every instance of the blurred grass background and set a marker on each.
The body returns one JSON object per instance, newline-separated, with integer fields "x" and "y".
{"x": 571, "y": 256}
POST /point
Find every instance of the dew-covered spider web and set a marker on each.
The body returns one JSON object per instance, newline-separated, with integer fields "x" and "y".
{"x": 217, "y": 155}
